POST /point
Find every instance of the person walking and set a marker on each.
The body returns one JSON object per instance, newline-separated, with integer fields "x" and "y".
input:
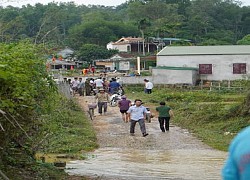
{"x": 165, "y": 113}
{"x": 102, "y": 101}
{"x": 93, "y": 70}
{"x": 137, "y": 113}
{"x": 81, "y": 87}
{"x": 98, "y": 83}
{"x": 124, "y": 105}
{"x": 87, "y": 87}
{"x": 237, "y": 166}
{"x": 74, "y": 85}
{"x": 114, "y": 86}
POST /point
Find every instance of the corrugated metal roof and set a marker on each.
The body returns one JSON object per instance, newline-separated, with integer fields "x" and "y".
{"x": 205, "y": 50}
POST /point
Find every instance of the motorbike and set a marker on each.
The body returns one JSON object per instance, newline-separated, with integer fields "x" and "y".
{"x": 116, "y": 96}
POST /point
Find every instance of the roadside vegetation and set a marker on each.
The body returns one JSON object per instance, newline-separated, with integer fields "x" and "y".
{"x": 35, "y": 118}
{"x": 215, "y": 117}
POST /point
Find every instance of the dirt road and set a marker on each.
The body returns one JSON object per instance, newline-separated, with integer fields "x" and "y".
{"x": 172, "y": 155}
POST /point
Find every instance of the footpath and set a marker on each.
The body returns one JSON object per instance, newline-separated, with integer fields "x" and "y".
{"x": 172, "y": 155}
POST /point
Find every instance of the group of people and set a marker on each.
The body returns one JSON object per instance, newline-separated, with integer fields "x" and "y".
{"x": 137, "y": 113}
{"x": 91, "y": 69}
{"x": 92, "y": 86}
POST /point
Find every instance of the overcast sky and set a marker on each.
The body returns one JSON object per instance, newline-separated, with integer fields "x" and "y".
{"x": 19, "y": 3}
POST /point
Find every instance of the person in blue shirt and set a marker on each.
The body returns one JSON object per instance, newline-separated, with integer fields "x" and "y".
{"x": 237, "y": 166}
{"x": 113, "y": 86}
{"x": 137, "y": 113}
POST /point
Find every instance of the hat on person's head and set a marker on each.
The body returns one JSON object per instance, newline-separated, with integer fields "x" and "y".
{"x": 101, "y": 89}
{"x": 124, "y": 97}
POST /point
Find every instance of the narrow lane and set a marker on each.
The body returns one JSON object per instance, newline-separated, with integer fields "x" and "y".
{"x": 172, "y": 155}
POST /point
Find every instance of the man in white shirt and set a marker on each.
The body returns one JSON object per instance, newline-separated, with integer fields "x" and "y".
{"x": 74, "y": 85}
{"x": 137, "y": 113}
{"x": 98, "y": 83}
{"x": 148, "y": 86}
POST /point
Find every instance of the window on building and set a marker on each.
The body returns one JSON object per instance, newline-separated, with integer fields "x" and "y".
{"x": 205, "y": 68}
{"x": 128, "y": 48}
{"x": 239, "y": 68}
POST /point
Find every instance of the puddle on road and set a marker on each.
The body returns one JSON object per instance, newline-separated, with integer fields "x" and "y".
{"x": 110, "y": 163}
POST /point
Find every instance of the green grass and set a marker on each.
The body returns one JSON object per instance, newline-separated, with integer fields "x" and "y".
{"x": 71, "y": 132}
{"x": 209, "y": 115}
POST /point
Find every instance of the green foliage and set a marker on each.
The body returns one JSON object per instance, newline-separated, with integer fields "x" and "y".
{"x": 23, "y": 77}
{"x": 66, "y": 128}
{"x": 99, "y": 32}
{"x": 90, "y": 52}
{"x": 214, "y": 117}
{"x": 66, "y": 24}
{"x": 33, "y": 115}
{"x": 245, "y": 40}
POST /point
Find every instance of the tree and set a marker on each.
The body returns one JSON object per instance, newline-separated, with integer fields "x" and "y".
{"x": 90, "y": 52}
{"x": 99, "y": 32}
{"x": 25, "y": 89}
{"x": 142, "y": 26}
{"x": 245, "y": 40}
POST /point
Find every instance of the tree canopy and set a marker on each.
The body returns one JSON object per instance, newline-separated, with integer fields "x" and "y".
{"x": 67, "y": 24}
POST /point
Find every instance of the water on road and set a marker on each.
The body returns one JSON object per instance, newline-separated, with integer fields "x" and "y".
{"x": 172, "y": 155}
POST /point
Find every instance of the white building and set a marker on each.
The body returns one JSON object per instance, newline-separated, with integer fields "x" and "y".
{"x": 126, "y": 44}
{"x": 65, "y": 53}
{"x": 186, "y": 64}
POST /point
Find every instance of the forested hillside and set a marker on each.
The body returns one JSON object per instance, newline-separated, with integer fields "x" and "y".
{"x": 205, "y": 22}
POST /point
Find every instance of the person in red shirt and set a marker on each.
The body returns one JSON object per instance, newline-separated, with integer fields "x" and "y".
{"x": 93, "y": 70}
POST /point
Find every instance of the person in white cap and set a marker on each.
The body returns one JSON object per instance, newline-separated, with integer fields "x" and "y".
{"x": 124, "y": 105}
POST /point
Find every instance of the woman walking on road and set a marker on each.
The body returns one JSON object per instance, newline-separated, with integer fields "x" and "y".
{"x": 124, "y": 105}
{"x": 165, "y": 113}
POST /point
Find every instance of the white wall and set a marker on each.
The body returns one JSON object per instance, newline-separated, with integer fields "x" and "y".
{"x": 164, "y": 76}
{"x": 121, "y": 47}
{"x": 110, "y": 46}
{"x": 167, "y": 76}
{"x": 222, "y": 64}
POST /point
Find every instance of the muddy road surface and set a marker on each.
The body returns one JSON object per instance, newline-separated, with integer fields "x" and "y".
{"x": 171, "y": 155}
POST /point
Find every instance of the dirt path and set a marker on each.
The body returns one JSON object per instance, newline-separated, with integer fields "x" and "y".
{"x": 172, "y": 155}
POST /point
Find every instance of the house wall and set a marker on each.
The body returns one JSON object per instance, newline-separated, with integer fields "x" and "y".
{"x": 135, "y": 79}
{"x": 124, "y": 65}
{"x": 109, "y": 46}
{"x": 167, "y": 76}
{"x": 102, "y": 63}
{"x": 222, "y": 64}
{"x": 121, "y": 47}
